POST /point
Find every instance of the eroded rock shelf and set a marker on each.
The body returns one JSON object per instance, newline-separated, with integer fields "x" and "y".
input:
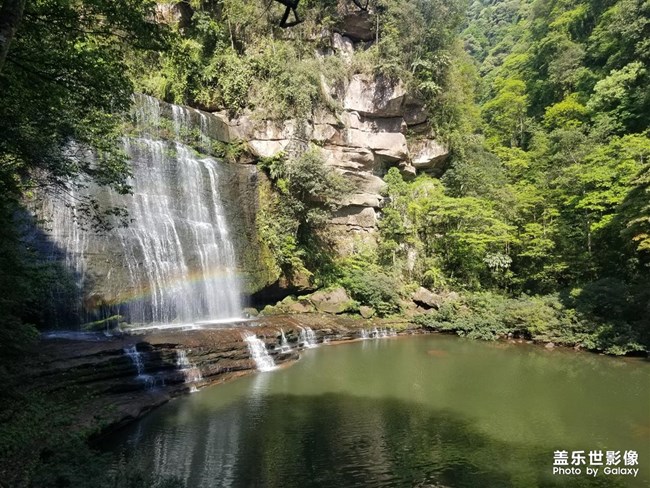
{"x": 117, "y": 393}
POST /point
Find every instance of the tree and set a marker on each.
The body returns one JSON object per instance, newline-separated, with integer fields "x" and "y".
{"x": 65, "y": 79}
{"x": 11, "y": 13}
{"x": 506, "y": 112}
{"x": 64, "y": 88}
{"x": 291, "y": 223}
{"x": 621, "y": 101}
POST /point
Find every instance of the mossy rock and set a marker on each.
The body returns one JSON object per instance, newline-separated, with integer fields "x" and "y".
{"x": 333, "y": 301}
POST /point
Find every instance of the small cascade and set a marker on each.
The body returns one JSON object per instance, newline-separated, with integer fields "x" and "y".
{"x": 136, "y": 358}
{"x": 259, "y": 354}
{"x": 284, "y": 343}
{"x": 191, "y": 372}
{"x": 378, "y": 333}
{"x": 307, "y": 337}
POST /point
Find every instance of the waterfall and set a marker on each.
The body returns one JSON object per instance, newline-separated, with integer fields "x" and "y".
{"x": 284, "y": 343}
{"x": 259, "y": 354}
{"x": 175, "y": 262}
{"x": 191, "y": 372}
{"x": 136, "y": 358}
{"x": 376, "y": 333}
{"x": 307, "y": 337}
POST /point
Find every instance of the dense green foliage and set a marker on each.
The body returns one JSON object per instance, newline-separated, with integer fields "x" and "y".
{"x": 291, "y": 219}
{"x": 371, "y": 285}
{"x": 551, "y": 193}
{"x": 231, "y": 55}
{"x": 570, "y": 321}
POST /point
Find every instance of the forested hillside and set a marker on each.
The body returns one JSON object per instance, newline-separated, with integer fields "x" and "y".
{"x": 543, "y": 207}
{"x": 535, "y": 224}
{"x": 550, "y": 194}
{"x": 544, "y": 202}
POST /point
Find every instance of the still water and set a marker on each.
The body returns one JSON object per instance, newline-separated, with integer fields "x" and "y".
{"x": 427, "y": 411}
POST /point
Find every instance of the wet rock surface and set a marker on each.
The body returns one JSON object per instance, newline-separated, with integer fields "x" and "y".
{"x": 174, "y": 362}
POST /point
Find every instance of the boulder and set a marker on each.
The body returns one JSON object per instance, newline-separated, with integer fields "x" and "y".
{"x": 366, "y": 312}
{"x": 331, "y": 301}
{"x": 355, "y": 216}
{"x": 358, "y": 26}
{"x": 388, "y": 145}
{"x": 428, "y": 154}
{"x": 415, "y": 114}
{"x": 342, "y": 45}
{"x": 452, "y": 296}
{"x": 298, "y": 283}
{"x": 267, "y": 149}
{"x": 270, "y": 310}
{"x": 374, "y": 97}
{"x": 407, "y": 170}
{"x": 267, "y": 138}
{"x": 324, "y": 133}
{"x": 426, "y": 298}
{"x": 175, "y": 12}
{"x": 250, "y": 312}
{"x": 361, "y": 160}
{"x": 296, "y": 305}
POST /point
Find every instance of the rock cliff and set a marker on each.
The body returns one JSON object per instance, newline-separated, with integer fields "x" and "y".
{"x": 365, "y": 125}
{"x": 376, "y": 124}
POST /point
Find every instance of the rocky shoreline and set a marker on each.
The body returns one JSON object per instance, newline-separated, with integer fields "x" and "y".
{"x": 122, "y": 378}
{"x": 113, "y": 391}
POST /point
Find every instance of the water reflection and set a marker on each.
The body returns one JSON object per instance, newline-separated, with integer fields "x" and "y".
{"x": 342, "y": 441}
{"x": 390, "y": 413}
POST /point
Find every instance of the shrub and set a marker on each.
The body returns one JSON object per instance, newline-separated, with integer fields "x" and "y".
{"x": 373, "y": 288}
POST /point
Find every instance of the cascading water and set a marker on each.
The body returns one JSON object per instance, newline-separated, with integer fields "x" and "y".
{"x": 284, "y": 343}
{"x": 190, "y": 371}
{"x": 259, "y": 354}
{"x": 376, "y": 333}
{"x": 175, "y": 262}
{"x": 307, "y": 337}
{"x": 136, "y": 358}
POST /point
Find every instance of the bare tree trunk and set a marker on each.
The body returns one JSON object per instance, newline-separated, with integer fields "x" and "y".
{"x": 11, "y": 13}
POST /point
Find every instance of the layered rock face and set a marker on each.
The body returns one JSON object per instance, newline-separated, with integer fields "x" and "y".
{"x": 372, "y": 124}
{"x": 362, "y": 140}
{"x": 122, "y": 378}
